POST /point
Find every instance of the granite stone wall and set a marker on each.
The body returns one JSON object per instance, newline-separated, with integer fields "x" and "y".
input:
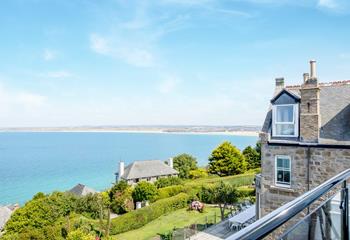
{"x": 324, "y": 163}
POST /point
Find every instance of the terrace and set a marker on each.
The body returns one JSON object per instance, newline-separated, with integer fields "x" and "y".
{"x": 322, "y": 213}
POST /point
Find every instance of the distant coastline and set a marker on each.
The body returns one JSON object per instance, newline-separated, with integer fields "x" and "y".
{"x": 207, "y": 130}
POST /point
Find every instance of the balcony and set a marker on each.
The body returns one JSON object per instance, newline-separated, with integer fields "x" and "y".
{"x": 322, "y": 213}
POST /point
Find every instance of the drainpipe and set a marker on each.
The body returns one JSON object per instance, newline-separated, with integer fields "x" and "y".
{"x": 308, "y": 155}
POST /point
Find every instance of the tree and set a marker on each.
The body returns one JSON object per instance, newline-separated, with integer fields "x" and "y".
{"x": 121, "y": 198}
{"x": 258, "y": 148}
{"x": 184, "y": 163}
{"x": 221, "y": 194}
{"x": 252, "y": 157}
{"x": 226, "y": 160}
{"x": 144, "y": 191}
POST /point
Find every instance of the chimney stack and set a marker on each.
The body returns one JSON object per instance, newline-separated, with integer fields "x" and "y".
{"x": 306, "y": 77}
{"x": 279, "y": 82}
{"x": 310, "y": 106}
{"x": 171, "y": 162}
{"x": 313, "y": 69}
{"x": 121, "y": 170}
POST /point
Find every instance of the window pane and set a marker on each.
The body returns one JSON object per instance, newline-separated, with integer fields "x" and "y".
{"x": 284, "y": 114}
{"x": 279, "y": 162}
{"x": 286, "y": 163}
{"x": 285, "y": 129}
{"x": 286, "y": 177}
{"x": 279, "y": 176}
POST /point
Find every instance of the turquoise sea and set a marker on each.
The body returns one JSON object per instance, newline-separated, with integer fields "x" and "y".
{"x": 33, "y": 162}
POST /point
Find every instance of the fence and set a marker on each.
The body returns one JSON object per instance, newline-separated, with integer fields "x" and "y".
{"x": 188, "y": 231}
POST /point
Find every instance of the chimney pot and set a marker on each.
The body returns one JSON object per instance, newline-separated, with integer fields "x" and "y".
{"x": 121, "y": 170}
{"x": 306, "y": 77}
{"x": 279, "y": 82}
{"x": 171, "y": 162}
{"x": 313, "y": 69}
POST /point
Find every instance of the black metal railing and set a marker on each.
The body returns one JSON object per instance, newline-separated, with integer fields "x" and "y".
{"x": 280, "y": 216}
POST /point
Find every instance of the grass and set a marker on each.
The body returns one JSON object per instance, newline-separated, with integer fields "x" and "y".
{"x": 236, "y": 180}
{"x": 164, "y": 224}
{"x": 182, "y": 218}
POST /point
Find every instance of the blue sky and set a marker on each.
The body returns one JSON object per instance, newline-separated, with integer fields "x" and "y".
{"x": 121, "y": 62}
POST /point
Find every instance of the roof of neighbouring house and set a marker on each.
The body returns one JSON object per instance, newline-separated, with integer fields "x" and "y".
{"x": 147, "y": 168}
{"x": 334, "y": 111}
{"x": 82, "y": 190}
{"x": 5, "y": 214}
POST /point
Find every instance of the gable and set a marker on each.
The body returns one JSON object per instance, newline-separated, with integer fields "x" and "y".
{"x": 285, "y": 97}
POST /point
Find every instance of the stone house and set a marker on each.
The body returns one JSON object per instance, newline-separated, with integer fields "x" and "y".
{"x": 147, "y": 170}
{"x": 305, "y": 139}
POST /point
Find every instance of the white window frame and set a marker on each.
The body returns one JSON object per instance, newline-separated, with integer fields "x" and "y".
{"x": 295, "y": 120}
{"x": 290, "y": 171}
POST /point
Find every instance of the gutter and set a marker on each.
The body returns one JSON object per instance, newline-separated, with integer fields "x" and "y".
{"x": 309, "y": 145}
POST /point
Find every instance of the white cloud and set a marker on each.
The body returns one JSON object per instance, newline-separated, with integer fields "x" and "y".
{"x": 128, "y": 52}
{"x": 15, "y": 103}
{"x": 59, "y": 74}
{"x": 337, "y": 6}
{"x": 99, "y": 44}
{"x": 168, "y": 85}
{"x": 29, "y": 100}
{"x": 56, "y": 74}
{"x": 49, "y": 55}
{"x": 328, "y": 4}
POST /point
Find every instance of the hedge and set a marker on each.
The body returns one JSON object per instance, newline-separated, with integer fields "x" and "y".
{"x": 138, "y": 218}
{"x": 170, "y": 191}
{"x": 246, "y": 192}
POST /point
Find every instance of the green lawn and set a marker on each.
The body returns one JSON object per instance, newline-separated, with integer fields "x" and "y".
{"x": 178, "y": 219}
{"x": 237, "y": 180}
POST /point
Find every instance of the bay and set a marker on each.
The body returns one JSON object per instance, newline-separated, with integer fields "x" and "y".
{"x": 32, "y": 162}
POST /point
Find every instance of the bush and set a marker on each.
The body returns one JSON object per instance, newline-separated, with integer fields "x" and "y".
{"x": 120, "y": 197}
{"x": 199, "y": 173}
{"x": 166, "y": 182}
{"x": 169, "y": 191}
{"x": 41, "y": 211}
{"x": 144, "y": 191}
{"x": 245, "y": 192}
{"x": 141, "y": 217}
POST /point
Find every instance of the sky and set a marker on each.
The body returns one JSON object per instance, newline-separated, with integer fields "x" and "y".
{"x": 170, "y": 62}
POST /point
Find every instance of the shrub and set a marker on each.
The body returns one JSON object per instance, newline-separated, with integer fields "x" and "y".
{"x": 169, "y": 191}
{"x": 198, "y": 173}
{"x": 80, "y": 235}
{"x": 120, "y": 197}
{"x": 141, "y": 217}
{"x": 166, "y": 182}
{"x": 245, "y": 192}
{"x": 122, "y": 202}
{"x": 144, "y": 191}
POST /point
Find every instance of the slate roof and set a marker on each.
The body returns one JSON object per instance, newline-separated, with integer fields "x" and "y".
{"x": 5, "y": 214}
{"x": 147, "y": 168}
{"x": 82, "y": 190}
{"x": 334, "y": 112}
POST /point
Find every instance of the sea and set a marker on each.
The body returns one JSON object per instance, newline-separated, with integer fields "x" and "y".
{"x": 32, "y": 162}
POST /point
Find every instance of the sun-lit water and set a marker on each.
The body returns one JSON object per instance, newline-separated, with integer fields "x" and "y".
{"x": 33, "y": 162}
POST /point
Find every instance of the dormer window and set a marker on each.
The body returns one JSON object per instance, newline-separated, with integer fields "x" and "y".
{"x": 285, "y": 120}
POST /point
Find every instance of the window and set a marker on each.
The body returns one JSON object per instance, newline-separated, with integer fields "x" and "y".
{"x": 283, "y": 171}
{"x": 285, "y": 120}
